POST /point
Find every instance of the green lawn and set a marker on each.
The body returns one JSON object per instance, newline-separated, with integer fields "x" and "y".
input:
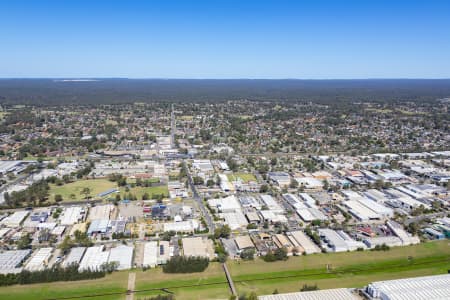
{"x": 116, "y": 282}
{"x": 354, "y": 269}
{"x": 96, "y": 185}
{"x": 245, "y": 177}
{"x": 139, "y": 191}
{"x": 213, "y": 280}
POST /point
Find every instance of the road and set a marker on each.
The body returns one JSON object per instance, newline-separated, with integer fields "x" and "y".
{"x": 199, "y": 200}
{"x": 172, "y": 128}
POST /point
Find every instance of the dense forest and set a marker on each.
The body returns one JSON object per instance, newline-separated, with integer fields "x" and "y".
{"x": 102, "y": 91}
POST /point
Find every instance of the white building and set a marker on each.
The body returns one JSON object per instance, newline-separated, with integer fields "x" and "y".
{"x": 227, "y": 204}
{"x": 94, "y": 258}
{"x": 123, "y": 255}
{"x": 333, "y": 294}
{"x": 74, "y": 257}
{"x": 71, "y": 215}
{"x": 150, "y": 254}
{"x": 39, "y": 260}
{"x": 435, "y": 287}
{"x": 300, "y": 239}
{"x": 15, "y": 219}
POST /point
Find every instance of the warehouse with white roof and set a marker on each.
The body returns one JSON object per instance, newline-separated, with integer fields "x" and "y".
{"x": 94, "y": 258}
{"x": 332, "y": 294}
{"x": 10, "y": 261}
{"x": 71, "y": 215}
{"x": 418, "y": 288}
{"x": 39, "y": 260}
{"x": 150, "y": 254}
{"x": 299, "y": 238}
{"x": 123, "y": 255}
{"x": 227, "y": 204}
{"x": 74, "y": 257}
{"x": 15, "y": 219}
{"x": 234, "y": 220}
{"x": 271, "y": 203}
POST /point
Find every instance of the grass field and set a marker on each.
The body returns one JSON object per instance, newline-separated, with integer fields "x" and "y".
{"x": 116, "y": 282}
{"x": 245, "y": 177}
{"x": 354, "y": 269}
{"x": 139, "y": 191}
{"x": 96, "y": 185}
{"x": 155, "y": 278}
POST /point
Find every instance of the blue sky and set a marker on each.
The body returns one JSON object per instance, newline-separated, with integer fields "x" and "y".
{"x": 225, "y": 39}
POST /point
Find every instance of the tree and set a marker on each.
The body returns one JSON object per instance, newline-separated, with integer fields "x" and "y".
{"x": 248, "y": 254}
{"x": 306, "y": 288}
{"x": 183, "y": 264}
{"x": 198, "y": 180}
{"x": 58, "y": 198}
{"x": 293, "y": 184}
{"x": 24, "y": 242}
{"x": 252, "y": 296}
{"x": 222, "y": 232}
{"x": 86, "y": 191}
{"x": 264, "y": 188}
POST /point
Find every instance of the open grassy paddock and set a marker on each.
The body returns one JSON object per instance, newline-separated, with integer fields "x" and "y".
{"x": 96, "y": 186}
{"x": 116, "y": 282}
{"x": 245, "y": 177}
{"x": 349, "y": 269}
{"x": 139, "y": 191}
{"x": 192, "y": 286}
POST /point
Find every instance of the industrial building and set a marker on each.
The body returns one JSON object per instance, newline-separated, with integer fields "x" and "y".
{"x": 150, "y": 254}
{"x": 15, "y": 219}
{"x": 339, "y": 241}
{"x": 11, "y": 261}
{"x": 334, "y": 294}
{"x": 74, "y": 257}
{"x": 182, "y": 226}
{"x": 391, "y": 241}
{"x": 272, "y": 204}
{"x": 94, "y": 258}
{"x": 98, "y": 226}
{"x": 101, "y": 212}
{"x": 71, "y": 215}
{"x": 404, "y": 236}
{"x": 227, "y": 204}
{"x": 273, "y": 216}
{"x": 123, "y": 255}
{"x": 300, "y": 239}
{"x": 39, "y": 260}
{"x": 418, "y": 288}
{"x": 280, "y": 178}
{"x": 243, "y": 242}
{"x": 235, "y": 220}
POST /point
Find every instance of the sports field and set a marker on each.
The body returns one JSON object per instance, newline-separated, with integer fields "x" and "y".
{"x": 96, "y": 186}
